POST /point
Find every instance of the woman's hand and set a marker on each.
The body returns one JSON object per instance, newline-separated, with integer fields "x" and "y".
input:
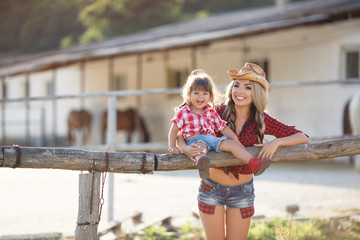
{"x": 193, "y": 150}
{"x": 267, "y": 149}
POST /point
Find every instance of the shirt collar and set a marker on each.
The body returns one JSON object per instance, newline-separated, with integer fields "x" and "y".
{"x": 207, "y": 107}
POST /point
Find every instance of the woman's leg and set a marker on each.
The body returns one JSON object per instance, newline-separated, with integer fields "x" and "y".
{"x": 237, "y": 228}
{"x": 213, "y": 224}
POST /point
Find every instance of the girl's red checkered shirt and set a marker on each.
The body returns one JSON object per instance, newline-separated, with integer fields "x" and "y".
{"x": 191, "y": 123}
{"x": 248, "y": 136}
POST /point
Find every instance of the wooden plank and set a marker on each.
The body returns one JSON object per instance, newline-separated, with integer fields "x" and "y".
{"x": 42, "y": 236}
{"x": 297, "y": 153}
{"x": 73, "y": 159}
{"x": 135, "y": 162}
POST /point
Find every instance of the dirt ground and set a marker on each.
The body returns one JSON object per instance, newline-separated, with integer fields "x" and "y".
{"x": 40, "y": 201}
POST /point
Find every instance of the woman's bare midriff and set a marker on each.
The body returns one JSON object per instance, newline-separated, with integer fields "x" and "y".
{"x": 219, "y": 176}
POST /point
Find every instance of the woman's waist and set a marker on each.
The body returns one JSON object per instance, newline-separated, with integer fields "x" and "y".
{"x": 219, "y": 176}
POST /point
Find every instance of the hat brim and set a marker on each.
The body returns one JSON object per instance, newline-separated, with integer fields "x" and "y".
{"x": 238, "y": 75}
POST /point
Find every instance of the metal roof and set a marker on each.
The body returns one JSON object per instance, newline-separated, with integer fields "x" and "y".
{"x": 192, "y": 33}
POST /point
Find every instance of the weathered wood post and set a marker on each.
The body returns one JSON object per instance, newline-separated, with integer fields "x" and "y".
{"x": 88, "y": 214}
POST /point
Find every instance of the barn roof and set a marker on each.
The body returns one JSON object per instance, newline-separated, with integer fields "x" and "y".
{"x": 192, "y": 33}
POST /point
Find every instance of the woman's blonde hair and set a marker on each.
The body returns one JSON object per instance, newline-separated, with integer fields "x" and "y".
{"x": 258, "y": 106}
{"x": 199, "y": 80}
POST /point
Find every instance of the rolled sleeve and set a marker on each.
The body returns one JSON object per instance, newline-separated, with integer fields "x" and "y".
{"x": 277, "y": 128}
{"x": 219, "y": 123}
{"x": 178, "y": 119}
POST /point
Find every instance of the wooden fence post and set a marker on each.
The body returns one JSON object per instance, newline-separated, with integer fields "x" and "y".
{"x": 89, "y": 201}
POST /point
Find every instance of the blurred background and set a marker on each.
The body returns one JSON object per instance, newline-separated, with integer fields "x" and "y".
{"x": 62, "y": 60}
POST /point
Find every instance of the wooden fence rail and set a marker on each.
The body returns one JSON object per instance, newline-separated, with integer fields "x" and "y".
{"x": 137, "y": 162}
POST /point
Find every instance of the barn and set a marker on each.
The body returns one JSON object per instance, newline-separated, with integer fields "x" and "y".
{"x": 309, "y": 49}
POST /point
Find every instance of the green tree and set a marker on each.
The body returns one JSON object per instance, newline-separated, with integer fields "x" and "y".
{"x": 106, "y": 18}
{"x": 28, "y": 26}
{"x": 13, "y": 14}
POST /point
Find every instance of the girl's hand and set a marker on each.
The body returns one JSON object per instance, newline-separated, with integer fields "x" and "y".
{"x": 193, "y": 150}
{"x": 268, "y": 149}
{"x": 174, "y": 149}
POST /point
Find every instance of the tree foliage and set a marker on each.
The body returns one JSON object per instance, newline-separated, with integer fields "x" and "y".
{"x": 28, "y": 26}
{"x": 106, "y": 18}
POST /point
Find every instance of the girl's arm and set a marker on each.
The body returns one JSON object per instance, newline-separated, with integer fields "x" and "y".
{"x": 230, "y": 133}
{"x": 173, "y": 132}
{"x": 269, "y": 148}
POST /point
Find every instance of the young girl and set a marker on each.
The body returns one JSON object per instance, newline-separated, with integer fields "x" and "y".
{"x": 198, "y": 122}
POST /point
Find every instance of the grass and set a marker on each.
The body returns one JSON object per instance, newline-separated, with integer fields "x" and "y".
{"x": 344, "y": 228}
{"x": 312, "y": 229}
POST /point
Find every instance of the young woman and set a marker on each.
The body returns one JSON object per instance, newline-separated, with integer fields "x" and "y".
{"x": 226, "y": 198}
{"x": 197, "y": 121}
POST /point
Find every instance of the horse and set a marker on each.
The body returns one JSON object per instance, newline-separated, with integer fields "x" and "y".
{"x": 79, "y": 121}
{"x": 351, "y": 119}
{"x": 128, "y": 120}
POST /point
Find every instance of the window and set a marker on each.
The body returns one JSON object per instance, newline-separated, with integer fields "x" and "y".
{"x": 49, "y": 88}
{"x": 352, "y": 64}
{"x": 177, "y": 77}
{"x": 27, "y": 88}
{"x": 120, "y": 82}
{"x": 4, "y": 93}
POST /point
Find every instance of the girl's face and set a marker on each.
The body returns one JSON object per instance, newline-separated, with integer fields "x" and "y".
{"x": 199, "y": 99}
{"x": 241, "y": 93}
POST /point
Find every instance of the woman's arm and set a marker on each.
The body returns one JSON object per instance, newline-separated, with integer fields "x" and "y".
{"x": 269, "y": 148}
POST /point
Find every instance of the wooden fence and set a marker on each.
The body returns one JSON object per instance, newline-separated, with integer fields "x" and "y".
{"x": 90, "y": 197}
{"x": 145, "y": 162}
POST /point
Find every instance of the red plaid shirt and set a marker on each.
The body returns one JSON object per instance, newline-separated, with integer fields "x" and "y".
{"x": 248, "y": 136}
{"x": 191, "y": 123}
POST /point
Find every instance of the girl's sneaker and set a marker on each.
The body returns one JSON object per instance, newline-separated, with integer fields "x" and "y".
{"x": 258, "y": 166}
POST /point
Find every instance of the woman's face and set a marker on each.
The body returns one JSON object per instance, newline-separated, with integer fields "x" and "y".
{"x": 241, "y": 93}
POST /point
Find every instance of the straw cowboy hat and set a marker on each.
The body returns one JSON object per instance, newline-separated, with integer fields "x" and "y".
{"x": 252, "y": 72}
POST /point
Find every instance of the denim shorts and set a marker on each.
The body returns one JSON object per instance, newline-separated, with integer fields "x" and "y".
{"x": 211, "y": 142}
{"x": 239, "y": 196}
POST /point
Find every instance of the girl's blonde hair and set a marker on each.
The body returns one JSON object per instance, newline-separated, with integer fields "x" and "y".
{"x": 199, "y": 80}
{"x": 258, "y": 106}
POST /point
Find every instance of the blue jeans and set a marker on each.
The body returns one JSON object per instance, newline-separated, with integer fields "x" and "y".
{"x": 238, "y": 196}
{"x": 211, "y": 142}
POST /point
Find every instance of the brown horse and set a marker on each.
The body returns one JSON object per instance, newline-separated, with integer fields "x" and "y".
{"x": 128, "y": 120}
{"x": 79, "y": 121}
